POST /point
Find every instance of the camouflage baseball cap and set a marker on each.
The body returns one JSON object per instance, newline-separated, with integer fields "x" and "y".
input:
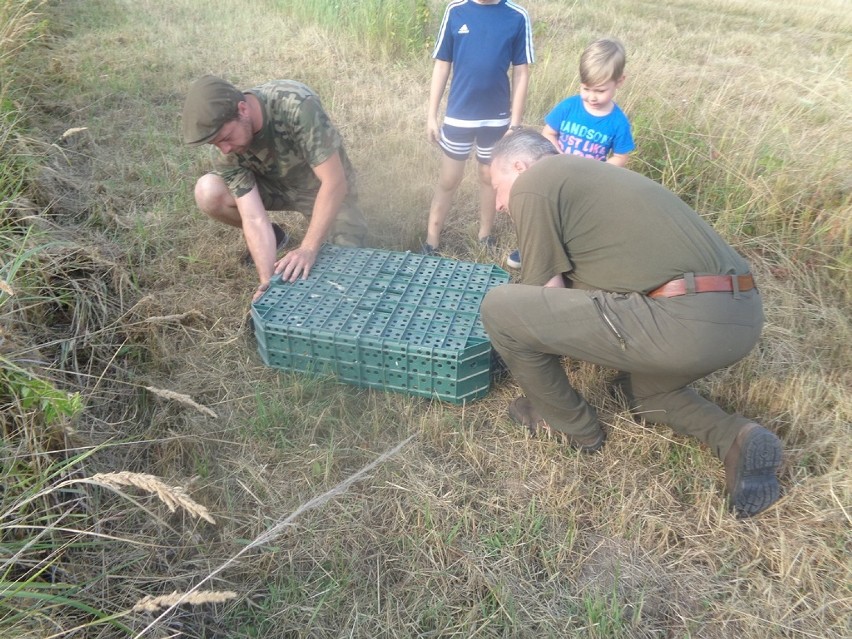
{"x": 210, "y": 103}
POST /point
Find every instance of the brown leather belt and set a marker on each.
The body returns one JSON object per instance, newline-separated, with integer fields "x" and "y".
{"x": 705, "y": 284}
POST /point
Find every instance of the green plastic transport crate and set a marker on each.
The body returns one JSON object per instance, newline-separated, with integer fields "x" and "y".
{"x": 396, "y": 321}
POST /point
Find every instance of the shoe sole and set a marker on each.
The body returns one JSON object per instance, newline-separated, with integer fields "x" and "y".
{"x": 757, "y": 486}
{"x": 512, "y": 264}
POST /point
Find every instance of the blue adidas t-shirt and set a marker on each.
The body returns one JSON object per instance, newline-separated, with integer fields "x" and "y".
{"x": 592, "y": 136}
{"x": 482, "y": 41}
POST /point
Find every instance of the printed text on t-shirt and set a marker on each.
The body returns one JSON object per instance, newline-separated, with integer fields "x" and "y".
{"x": 576, "y": 139}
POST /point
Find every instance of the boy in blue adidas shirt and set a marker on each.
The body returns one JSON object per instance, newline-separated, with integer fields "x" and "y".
{"x": 591, "y": 124}
{"x": 478, "y": 41}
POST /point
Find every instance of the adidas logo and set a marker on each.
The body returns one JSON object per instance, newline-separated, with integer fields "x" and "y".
{"x": 464, "y": 29}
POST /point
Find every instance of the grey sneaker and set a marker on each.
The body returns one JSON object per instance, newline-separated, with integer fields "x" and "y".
{"x": 488, "y": 244}
{"x": 282, "y": 237}
{"x": 522, "y": 412}
{"x": 428, "y": 249}
{"x": 751, "y": 467}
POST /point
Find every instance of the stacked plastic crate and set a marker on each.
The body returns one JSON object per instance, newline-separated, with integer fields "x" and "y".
{"x": 397, "y": 321}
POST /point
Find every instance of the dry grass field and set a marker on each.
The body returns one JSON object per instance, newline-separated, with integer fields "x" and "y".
{"x": 159, "y": 481}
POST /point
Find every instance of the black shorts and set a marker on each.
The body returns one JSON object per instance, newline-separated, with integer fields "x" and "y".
{"x": 457, "y": 142}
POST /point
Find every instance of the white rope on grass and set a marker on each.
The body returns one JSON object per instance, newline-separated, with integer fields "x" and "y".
{"x": 276, "y": 530}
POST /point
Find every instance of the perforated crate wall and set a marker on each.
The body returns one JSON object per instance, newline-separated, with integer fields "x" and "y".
{"x": 397, "y": 321}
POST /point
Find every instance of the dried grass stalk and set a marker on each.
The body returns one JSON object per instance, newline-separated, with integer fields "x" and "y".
{"x": 154, "y": 604}
{"x": 4, "y": 286}
{"x": 181, "y": 398}
{"x": 177, "y": 317}
{"x": 70, "y": 133}
{"x": 173, "y": 497}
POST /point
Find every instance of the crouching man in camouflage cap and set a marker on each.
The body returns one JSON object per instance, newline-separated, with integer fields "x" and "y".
{"x": 279, "y": 151}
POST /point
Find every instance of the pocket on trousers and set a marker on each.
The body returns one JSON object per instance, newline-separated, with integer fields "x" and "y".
{"x": 610, "y": 324}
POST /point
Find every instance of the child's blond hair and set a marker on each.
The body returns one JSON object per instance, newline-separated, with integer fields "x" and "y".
{"x": 603, "y": 60}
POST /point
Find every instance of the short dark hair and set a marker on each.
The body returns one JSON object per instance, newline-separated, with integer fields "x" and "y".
{"x": 527, "y": 145}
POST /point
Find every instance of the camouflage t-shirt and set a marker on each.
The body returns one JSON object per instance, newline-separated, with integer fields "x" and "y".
{"x": 296, "y": 136}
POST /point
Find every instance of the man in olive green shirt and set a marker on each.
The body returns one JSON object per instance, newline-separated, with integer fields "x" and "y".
{"x": 278, "y": 151}
{"x": 618, "y": 271}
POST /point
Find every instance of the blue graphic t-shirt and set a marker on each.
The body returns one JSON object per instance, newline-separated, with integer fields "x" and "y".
{"x": 482, "y": 41}
{"x": 591, "y": 136}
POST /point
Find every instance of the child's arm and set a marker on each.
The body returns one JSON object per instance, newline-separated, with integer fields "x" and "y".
{"x": 440, "y": 74}
{"x": 622, "y": 143}
{"x": 551, "y": 134}
{"x": 618, "y": 159}
{"x": 520, "y": 83}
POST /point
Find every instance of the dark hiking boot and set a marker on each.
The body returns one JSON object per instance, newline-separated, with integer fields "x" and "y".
{"x": 282, "y": 237}
{"x": 521, "y": 412}
{"x": 751, "y": 467}
{"x": 499, "y": 369}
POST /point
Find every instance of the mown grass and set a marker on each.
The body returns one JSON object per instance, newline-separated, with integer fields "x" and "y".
{"x": 470, "y": 530}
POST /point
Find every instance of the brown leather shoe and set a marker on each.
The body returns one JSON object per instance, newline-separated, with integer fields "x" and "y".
{"x": 750, "y": 470}
{"x": 522, "y": 412}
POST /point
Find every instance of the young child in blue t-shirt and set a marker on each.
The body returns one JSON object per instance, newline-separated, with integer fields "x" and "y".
{"x": 591, "y": 124}
{"x": 479, "y": 40}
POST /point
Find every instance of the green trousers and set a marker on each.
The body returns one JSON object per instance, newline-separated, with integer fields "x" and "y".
{"x": 659, "y": 345}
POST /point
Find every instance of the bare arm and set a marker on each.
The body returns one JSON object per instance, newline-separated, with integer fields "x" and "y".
{"x": 551, "y": 134}
{"x": 258, "y": 233}
{"x": 618, "y": 159}
{"x": 332, "y": 191}
{"x": 440, "y": 75}
{"x": 520, "y": 84}
{"x": 557, "y": 281}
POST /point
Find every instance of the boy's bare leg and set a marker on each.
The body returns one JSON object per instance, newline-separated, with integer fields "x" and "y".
{"x": 449, "y": 178}
{"x": 487, "y": 202}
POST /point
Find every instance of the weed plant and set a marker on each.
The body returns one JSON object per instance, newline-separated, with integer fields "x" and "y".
{"x": 128, "y": 373}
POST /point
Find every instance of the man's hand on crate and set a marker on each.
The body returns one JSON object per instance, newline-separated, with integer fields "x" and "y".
{"x": 261, "y": 289}
{"x": 297, "y": 262}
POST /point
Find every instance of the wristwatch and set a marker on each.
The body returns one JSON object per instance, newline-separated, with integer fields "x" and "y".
{"x": 516, "y": 127}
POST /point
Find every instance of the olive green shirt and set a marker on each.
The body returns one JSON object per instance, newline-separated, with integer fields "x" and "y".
{"x": 297, "y": 135}
{"x": 610, "y": 228}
